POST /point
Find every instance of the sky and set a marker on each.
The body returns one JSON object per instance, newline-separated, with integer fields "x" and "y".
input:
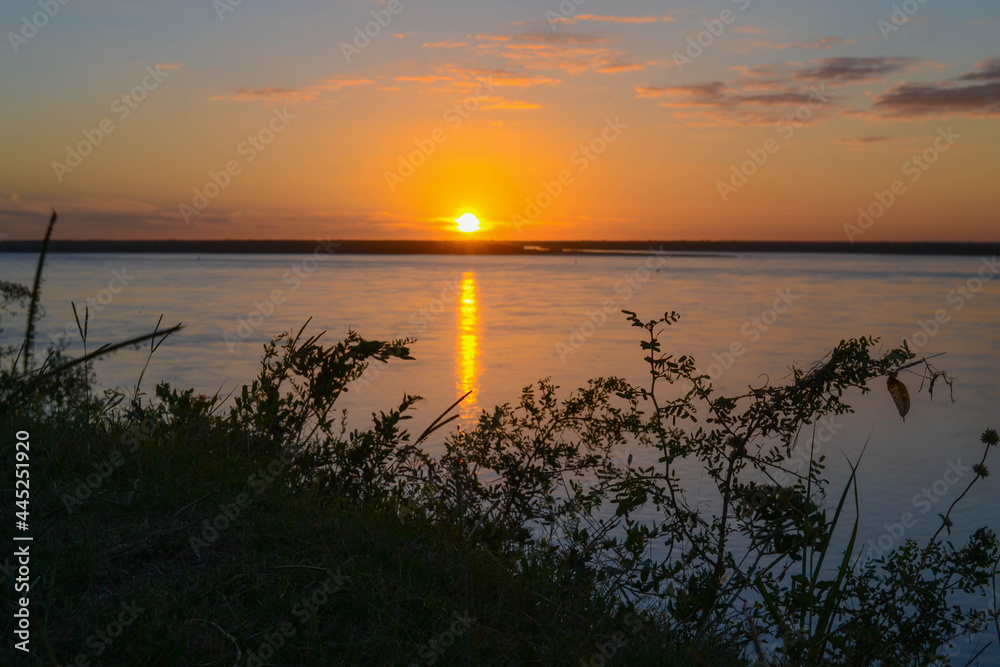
{"x": 853, "y": 120}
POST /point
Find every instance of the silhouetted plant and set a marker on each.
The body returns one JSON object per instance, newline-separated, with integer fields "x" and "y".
{"x": 545, "y": 475}
{"x": 58, "y": 380}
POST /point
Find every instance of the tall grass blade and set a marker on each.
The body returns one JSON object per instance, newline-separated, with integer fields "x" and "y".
{"x": 29, "y": 333}
{"x": 34, "y": 382}
{"x": 834, "y": 594}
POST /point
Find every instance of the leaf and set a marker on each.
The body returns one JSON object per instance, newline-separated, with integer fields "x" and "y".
{"x": 900, "y": 395}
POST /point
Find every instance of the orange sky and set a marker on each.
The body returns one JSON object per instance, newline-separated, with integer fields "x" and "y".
{"x": 739, "y": 122}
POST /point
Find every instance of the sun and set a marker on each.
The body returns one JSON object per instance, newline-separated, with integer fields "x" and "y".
{"x": 468, "y": 223}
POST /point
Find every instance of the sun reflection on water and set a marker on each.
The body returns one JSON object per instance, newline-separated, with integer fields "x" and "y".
{"x": 468, "y": 343}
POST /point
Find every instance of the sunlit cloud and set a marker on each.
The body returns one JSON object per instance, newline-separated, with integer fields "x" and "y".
{"x": 570, "y": 20}
{"x": 460, "y": 78}
{"x": 822, "y": 44}
{"x": 500, "y": 104}
{"x": 574, "y": 53}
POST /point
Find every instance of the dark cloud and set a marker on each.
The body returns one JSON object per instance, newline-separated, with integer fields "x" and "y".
{"x": 731, "y": 104}
{"x": 951, "y": 96}
{"x": 989, "y": 71}
{"x": 853, "y": 70}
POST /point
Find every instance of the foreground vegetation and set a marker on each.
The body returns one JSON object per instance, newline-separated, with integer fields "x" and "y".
{"x": 180, "y": 529}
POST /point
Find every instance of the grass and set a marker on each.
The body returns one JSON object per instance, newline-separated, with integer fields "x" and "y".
{"x": 327, "y": 582}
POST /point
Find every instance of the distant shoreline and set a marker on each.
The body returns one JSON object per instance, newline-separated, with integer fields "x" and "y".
{"x": 540, "y": 248}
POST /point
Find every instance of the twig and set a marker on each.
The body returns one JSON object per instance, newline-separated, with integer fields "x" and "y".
{"x": 239, "y": 653}
{"x": 300, "y": 567}
{"x": 996, "y": 613}
{"x": 437, "y": 423}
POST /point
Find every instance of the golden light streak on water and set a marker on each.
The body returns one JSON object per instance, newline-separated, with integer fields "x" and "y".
{"x": 468, "y": 344}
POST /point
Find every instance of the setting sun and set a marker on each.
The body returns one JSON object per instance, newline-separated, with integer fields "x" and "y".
{"x": 468, "y": 223}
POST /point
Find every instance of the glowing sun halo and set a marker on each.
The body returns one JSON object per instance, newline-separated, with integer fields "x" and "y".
{"x": 468, "y": 223}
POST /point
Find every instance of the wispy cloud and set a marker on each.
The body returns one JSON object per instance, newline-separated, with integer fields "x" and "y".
{"x": 461, "y": 77}
{"x": 444, "y": 45}
{"x": 459, "y": 80}
{"x": 822, "y": 44}
{"x": 500, "y": 104}
{"x": 574, "y": 53}
{"x": 292, "y": 95}
{"x": 614, "y": 19}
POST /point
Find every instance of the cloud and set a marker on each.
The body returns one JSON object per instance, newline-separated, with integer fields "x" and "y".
{"x": 989, "y": 71}
{"x": 863, "y": 141}
{"x": 500, "y": 104}
{"x": 614, "y": 19}
{"x": 574, "y": 53}
{"x": 268, "y": 94}
{"x": 110, "y": 218}
{"x": 976, "y": 94}
{"x": 822, "y": 44}
{"x": 90, "y": 217}
{"x": 722, "y": 103}
{"x": 444, "y": 45}
{"x": 292, "y": 95}
{"x": 463, "y": 81}
{"x": 430, "y": 78}
{"x": 460, "y": 78}
{"x": 761, "y": 94}
{"x": 845, "y": 70}
{"x": 717, "y": 94}
{"x": 573, "y": 60}
{"x": 572, "y": 38}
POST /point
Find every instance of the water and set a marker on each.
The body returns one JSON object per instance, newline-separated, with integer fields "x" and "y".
{"x": 493, "y": 325}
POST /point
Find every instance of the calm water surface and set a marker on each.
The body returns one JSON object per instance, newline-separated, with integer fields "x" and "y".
{"x": 493, "y": 325}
